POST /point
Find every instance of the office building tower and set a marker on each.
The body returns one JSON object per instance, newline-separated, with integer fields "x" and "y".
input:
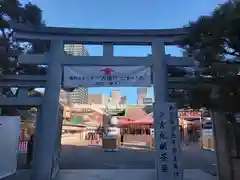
{"x": 101, "y": 99}
{"x": 75, "y": 50}
{"x": 65, "y": 97}
{"x": 123, "y": 100}
{"x": 141, "y": 94}
{"x": 79, "y": 95}
{"x": 115, "y": 97}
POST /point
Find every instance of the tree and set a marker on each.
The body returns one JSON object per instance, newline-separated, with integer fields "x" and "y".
{"x": 214, "y": 41}
{"x": 121, "y": 113}
{"x": 13, "y": 11}
{"x": 216, "y": 33}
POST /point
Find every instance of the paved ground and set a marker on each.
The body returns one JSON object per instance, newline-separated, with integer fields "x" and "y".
{"x": 76, "y": 155}
{"x": 110, "y": 174}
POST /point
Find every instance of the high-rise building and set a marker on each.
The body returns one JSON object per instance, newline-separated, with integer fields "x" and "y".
{"x": 79, "y": 95}
{"x": 98, "y": 99}
{"x": 123, "y": 100}
{"x": 65, "y": 97}
{"x": 141, "y": 94}
{"x": 102, "y": 99}
{"x": 75, "y": 50}
{"x": 115, "y": 97}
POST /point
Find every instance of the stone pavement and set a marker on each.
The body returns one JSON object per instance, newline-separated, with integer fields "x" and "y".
{"x": 118, "y": 174}
{"x": 72, "y": 139}
{"x": 78, "y": 154}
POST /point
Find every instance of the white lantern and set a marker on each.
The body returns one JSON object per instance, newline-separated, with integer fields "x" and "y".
{"x": 114, "y": 120}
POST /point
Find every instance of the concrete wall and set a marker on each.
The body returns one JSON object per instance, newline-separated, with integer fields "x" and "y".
{"x": 96, "y": 99}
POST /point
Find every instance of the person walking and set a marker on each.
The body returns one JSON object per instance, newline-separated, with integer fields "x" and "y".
{"x": 122, "y": 139}
{"x": 30, "y": 151}
{"x": 190, "y": 134}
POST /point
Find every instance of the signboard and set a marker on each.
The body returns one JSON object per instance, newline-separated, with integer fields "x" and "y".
{"x": 111, "y": 76}
{"x": 147, "y": 100}
{"x": 110, "y": 132}
{"x": 167, "y": 137}
{"x": 207, "y": 132}
{"x": 163, "y": 141}
{"x": 84, "y": 110}
{"x": 193, "y": 114}
{"x": 237, "y": 116}
{"x": 151, "y": 131}
{"x": 10, "y": 128}
{"x": 113, "y": 131}
{"x": 175, "y": 138}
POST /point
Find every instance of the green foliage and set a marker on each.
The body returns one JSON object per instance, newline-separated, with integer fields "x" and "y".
{"x": 12, "y": 10}
{"x": 216, "y": 35}
{"x": 214, "y": 41}
{"x": 176, "y": 72}
{"x": 122, "y": 113}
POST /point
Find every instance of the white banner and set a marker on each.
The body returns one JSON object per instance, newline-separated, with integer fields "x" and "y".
{"x": 101, "y": 76}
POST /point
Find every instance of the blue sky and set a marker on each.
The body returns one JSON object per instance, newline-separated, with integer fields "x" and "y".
{"x": 124, "y": 14}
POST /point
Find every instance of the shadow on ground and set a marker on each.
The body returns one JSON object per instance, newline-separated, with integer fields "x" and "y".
{"x": 94, "y": 157}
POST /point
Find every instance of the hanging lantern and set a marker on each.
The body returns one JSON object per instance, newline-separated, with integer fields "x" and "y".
{"x": 114, "y": 120}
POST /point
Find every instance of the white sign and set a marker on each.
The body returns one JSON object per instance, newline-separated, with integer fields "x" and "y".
{"x": 147, "y": 100}
{"x": 111, "y": 132}
{"x": 10, "y": 128}
{"x": 207, "y": 132}
{"x": 101, "y": 76}
{"x": 151, "y": 131}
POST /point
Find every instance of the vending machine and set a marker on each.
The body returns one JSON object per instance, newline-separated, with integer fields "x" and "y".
{"x": 9, "y": 140}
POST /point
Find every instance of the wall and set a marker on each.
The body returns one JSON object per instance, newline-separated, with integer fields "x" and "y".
{"x": 116, "y": 97}
{"x": 137, "y": 138}
{"x": 96, "y": 99}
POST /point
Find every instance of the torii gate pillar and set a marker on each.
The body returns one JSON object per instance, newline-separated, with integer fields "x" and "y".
{"x": 47, "y": 126}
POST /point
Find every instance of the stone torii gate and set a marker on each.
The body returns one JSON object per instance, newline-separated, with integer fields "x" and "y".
{"x": 47, "y": 128}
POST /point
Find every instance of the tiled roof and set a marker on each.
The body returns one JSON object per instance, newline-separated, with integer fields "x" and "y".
{"x": 148, "y": 118}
